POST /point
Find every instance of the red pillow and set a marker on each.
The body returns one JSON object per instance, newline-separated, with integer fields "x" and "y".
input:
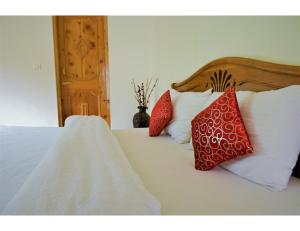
{"x": 161, "y": 114}
{"x": 219, "y": 134}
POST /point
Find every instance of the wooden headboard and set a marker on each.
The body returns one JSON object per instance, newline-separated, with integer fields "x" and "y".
{"x": 243, "y": 73}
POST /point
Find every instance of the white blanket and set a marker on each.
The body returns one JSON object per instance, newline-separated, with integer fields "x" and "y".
{"x": 85, "y": 172}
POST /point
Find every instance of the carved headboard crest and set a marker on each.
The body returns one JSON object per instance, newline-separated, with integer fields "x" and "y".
{"x": 221, "y": 80}
{"x": 241, "y": 73}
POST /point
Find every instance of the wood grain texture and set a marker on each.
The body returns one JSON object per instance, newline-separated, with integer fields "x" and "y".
{"x": 57, "y": 71}
{"x": 243, "y": 73}
{"x": 81, "y": 52}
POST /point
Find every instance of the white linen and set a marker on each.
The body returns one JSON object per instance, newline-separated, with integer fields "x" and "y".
{"x": 85, "y": 172}
{"x": 167, "y": 170}
{"x": 21, "y": 149}
{"x": 272, "y": 120}
{"x": 186, "y": 105}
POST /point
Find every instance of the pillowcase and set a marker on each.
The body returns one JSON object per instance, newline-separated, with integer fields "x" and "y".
{"x": 241, "y": 96}
{"x": 160, "y": 115}
{"x": 272, "y": 119}
{"x": 219, "y": 134}
{"x": 185, "y": 107}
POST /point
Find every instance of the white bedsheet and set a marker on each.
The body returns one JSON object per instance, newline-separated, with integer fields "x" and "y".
{"x": 84, "y": 172}
{"x": 167, "y": 170}
{"x": 21, "y": 149}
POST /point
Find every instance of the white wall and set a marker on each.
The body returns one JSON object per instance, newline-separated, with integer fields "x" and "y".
{"x": 173, "y": 48}
{"x": 27, "y": 94}
{"x": 170, "y": 48}
{"x": 130, "y": 52}
{"x": 1, "y": 56}
{"x": 185, "y": 44}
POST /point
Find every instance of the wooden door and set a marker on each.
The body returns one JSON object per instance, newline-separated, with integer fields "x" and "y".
{"x": 81, "y": 66}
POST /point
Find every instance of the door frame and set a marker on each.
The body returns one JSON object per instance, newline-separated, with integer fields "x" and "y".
{"x": 58, "y": 69}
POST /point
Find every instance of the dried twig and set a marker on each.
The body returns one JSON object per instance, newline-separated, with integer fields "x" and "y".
{"x": 135, "y": 91}
{"x": 155, "y": 84}
{"x": 142, "y": 94}
{"x": 148, "y": 83}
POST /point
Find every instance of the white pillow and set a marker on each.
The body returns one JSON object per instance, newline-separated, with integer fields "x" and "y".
{"x": 272, "y": 120}
{"x": 186, "y": 105}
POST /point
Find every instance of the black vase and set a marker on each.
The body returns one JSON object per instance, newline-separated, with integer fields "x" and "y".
{"x": 141, "y": 118}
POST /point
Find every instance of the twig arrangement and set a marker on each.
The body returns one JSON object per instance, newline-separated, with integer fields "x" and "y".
{"x": 143, "y": 91}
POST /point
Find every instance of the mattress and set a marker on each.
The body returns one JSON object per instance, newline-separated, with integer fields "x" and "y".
{"x": 166, "y": 169}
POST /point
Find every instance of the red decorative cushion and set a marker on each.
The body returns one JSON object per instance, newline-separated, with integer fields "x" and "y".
{"x": 161, "y": 114}
{"x": 219, "y": 134}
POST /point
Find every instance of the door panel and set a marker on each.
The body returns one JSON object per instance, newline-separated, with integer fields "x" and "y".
{"x": 82, "y": 62}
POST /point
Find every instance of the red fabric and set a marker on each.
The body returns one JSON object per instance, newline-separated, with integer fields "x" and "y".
{"x": 161, "y": 114}
{"x": 219, "y": 134}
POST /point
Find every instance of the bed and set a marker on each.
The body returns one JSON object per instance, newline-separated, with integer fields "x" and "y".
{"x": 165, "y": 168}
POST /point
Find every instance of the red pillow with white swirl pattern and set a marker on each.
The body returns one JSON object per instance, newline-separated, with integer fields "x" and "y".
{"x": 219, "y": 134}
{"x": 161, "y": 114}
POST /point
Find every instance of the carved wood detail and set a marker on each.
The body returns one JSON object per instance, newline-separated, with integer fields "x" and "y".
{"x": 84, "y": 108}
{"x": 243, "y": 73}
{"x": 82, "y": 66}
{"x": 221, "y": 80}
